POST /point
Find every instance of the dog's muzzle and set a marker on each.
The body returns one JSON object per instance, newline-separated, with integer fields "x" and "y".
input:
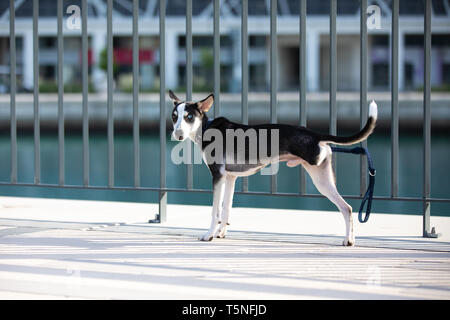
{"x": 178, "y": 135}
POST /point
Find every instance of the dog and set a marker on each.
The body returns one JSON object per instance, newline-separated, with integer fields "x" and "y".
{"x": 296, "y": 145}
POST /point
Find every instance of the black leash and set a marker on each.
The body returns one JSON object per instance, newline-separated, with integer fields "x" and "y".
{"x": 369, "y": 193}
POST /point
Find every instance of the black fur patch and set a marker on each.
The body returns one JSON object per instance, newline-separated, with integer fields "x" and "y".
{"x": 190, "y": 108}
{"x": 294, "y": 140}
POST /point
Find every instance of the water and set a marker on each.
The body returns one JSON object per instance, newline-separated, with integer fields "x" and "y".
{"x": 410, "y": 173}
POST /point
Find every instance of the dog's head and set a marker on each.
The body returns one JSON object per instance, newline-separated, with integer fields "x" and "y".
{"x": 187, "y": 116}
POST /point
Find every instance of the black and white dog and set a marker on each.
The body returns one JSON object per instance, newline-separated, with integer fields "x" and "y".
{"x": 296, "y": 145}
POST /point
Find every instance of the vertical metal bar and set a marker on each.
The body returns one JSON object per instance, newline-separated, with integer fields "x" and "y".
{"x": 12, "y": 92}
{"x": 427, "y": 120}
{"x": 333, "y": 74}
{"x": 162, "y": 111}
{"x": 394, "y": 100}
{"x": 188, "y": 50}
{"x": 60, "y": 81}
{"x": 244, "y": 67}
{"x": 273, "y": 75}
{"x": 216, "y": 40}
{"x": 84, "y": 81}
{"x": 189, "y": 83}
{"x": 363, "y": 91}
{"x": 37, "y": 142}
{"x": 136, "y": 148}
{"x": 302, "y": 78}
{"x": 110, "y": 125}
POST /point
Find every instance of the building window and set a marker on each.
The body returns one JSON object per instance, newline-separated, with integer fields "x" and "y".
{"x": 257, "y": 77}
{"x": 446, "y": 73}
{"x": 409, "y": 75}
{"x": 380, "y": 75}
{"x": 257, "y": 41}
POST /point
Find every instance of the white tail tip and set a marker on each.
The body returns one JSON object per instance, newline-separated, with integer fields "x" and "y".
{"x": 373, "y": 110}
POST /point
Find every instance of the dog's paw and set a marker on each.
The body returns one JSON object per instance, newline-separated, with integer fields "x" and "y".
{"x": 221, "y": 233}
{"x": 349, "y": 243}
{"x": 206, "y": 237}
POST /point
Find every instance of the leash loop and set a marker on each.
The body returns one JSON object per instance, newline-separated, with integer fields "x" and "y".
{"x": 372, "y": 172}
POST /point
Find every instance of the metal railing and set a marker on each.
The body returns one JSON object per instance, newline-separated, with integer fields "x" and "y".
{"x": 426, "y": 198}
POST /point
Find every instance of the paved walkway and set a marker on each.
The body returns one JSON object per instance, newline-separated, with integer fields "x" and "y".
{"x": 106, "y": 250}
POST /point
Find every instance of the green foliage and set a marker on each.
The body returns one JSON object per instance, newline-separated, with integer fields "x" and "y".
{"x": 103, "y": 63}
{"x": 442, "y": 88}
{"x": 207, "y": 59}
{"x": 204, "y": 81}
{"x": 52, "y": 87}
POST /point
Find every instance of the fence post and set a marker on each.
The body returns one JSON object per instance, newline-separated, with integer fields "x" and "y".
{"x": 12, "y": 61}
{"x": 216, "y": 53}
{"x": 302, "y": 78}
{"x": 162, "y": 212}
{"x": 394, "y": 100}
{"x": 110, "y": 105}
{"x": 85, "y": 88}
{"x": 333, "y": 77}
{"x": 363, "y": 92}
{"x": 427, "y": 125}
{"x": 189, "y": 71}
{"x": 244, "y": 69}
{"x": 273, "y": 77}
{"x": 36, "y": 125}
{"x": 136, "y": 85}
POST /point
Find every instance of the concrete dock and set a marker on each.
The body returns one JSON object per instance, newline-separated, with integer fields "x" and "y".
{"x": 70, "y": 249}
{"x": 348, "y": 105}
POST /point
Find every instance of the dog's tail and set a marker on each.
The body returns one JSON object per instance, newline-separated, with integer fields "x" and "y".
{"x": 360, "y": 136}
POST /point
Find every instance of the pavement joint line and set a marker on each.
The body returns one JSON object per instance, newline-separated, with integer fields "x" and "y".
{"x": 257, "y": 275}
{"x": 241, "y": 233}
{"x": 334, "y": 245}
{"x": 238, "y": 235}
{"x": 51, "y": 224}
{"x": 20, "y": 230}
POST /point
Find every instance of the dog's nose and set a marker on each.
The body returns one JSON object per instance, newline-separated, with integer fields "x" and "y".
{"x": 180, "y": 138}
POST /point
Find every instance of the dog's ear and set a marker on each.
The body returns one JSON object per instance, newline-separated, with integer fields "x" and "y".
{"x": 174, "y": 97}
{"x": 205, "y": 104}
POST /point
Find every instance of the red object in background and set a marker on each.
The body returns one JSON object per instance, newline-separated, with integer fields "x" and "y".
{"x": 124, "y": 56}
{"x": 90, "y": 57}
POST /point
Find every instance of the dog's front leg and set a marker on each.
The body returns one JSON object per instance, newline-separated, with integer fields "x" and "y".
{"x": 218, "y": 189}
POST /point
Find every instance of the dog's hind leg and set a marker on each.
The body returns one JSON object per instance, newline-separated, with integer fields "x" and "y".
{"x": 218, "y": 184}
{"x": 227, "y": 203}
{"x": 323, "y": 179}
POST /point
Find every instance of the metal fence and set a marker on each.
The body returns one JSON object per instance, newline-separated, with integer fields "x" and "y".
{"x": 426, "y": 198}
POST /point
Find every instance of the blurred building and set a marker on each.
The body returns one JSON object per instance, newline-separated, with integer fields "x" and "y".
{"x": 317, "y": 48}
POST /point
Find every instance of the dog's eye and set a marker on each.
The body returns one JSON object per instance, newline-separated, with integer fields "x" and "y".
{"x": 174, "y": 116}
{"x": 190, "y": 117}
